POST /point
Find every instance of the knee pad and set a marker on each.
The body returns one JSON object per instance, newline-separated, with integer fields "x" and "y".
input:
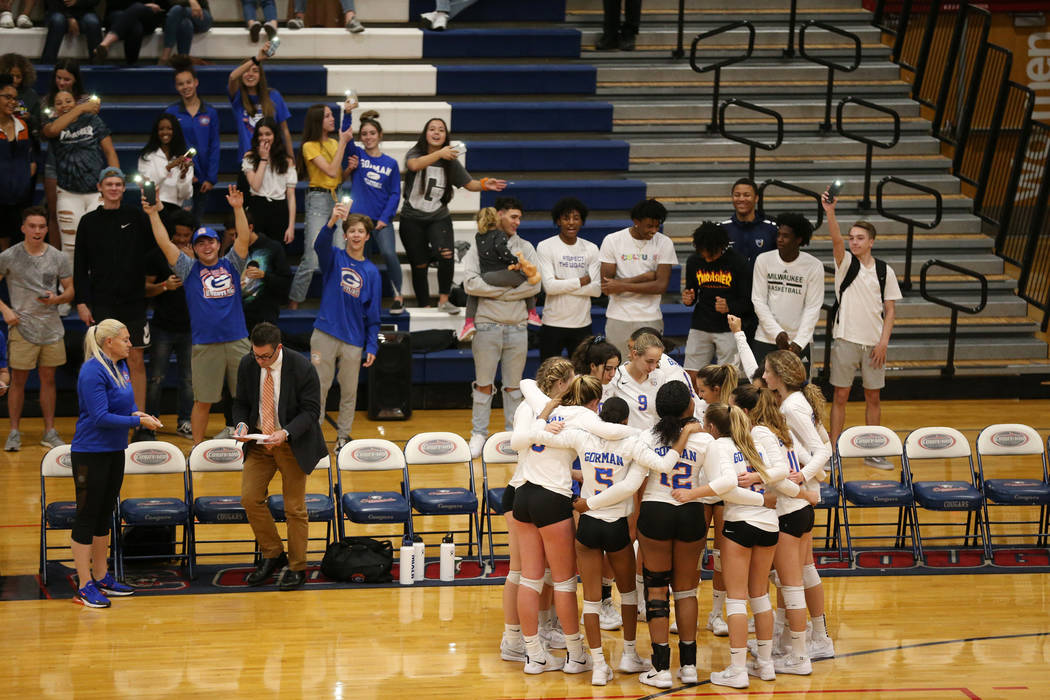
{"x": 735, "y": 606}
{"x": 680, "y": 595}
{"x": 514, "y": 577}
{"x": 629, "y": 598}
{"x": 716, "y": 560}
{"x": 655, "y": 580}
{"x": 592, "y": 607}
{"x": 774, "y": 578}
{"x": 548, "y": 580}
{"x": 566, "y": 586}
{"x": 810, "y": 577}
{"x": 657, "y": 608}
{"x": 761, "y": 604}
{"x": 535, "y": 584}
{"x": 794, "y": 597}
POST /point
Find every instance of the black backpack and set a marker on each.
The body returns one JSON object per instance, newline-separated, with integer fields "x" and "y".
{"x": 881, "y": 270}
{"x": 359, "y": 560}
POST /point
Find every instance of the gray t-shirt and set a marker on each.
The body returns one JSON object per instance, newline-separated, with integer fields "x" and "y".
{"x": 31, "y": 276}
{"x": 424, "y": 189}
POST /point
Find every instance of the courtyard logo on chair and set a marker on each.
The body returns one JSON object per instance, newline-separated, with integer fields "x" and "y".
{"x": 370, "y": 454}
{"x": 437, "y": 447}
{"x": 1009, "y": 438}
{"x": 504, "y": 448}
{"x": 936, "y": 441}
{"x": 66, "y": 460}
{"x": 870, "y": 441}
{"x": 222, "y": 455}
{"x": 150, "y": 457}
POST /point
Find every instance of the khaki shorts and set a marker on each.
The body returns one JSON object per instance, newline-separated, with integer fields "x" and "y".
{"x": 25, "y": 355}
{"x": 846, "y": 357}
{"x": 210, "y": 363}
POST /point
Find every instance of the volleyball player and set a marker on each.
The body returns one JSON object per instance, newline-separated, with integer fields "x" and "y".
{"x": 638, "y": 380}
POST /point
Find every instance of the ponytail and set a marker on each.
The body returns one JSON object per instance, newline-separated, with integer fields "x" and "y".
{"x": 583, "y": 390}
{"x": 762, "y": 407}
{"x": 94, "y": 338}
{"x": 725, "y": 377}
{"x": 789, "y": 368}
{"x": 551, "y": 371}
{"x": 732, "y": 422}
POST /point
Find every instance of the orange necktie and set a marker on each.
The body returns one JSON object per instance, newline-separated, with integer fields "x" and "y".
{"x": 267, "y": 419}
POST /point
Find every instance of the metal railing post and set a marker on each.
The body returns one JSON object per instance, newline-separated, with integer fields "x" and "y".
{"x": 912, "y": 223}
{"x": 831, "y": 65}
{"x": 948, "y": 370}
{"x": 869, "y": 142}
{"x": 750, "y": 143}
{"x": 717, "y": 67}
{"x": 679, "y": 52}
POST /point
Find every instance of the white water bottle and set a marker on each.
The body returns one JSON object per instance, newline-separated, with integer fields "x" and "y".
{"x": 448, "y": 558}
{"x": 405, "y": 567}
{"x": 419, "y": 561}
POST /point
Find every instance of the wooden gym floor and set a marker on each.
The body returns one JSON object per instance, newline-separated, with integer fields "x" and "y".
{"x": 946, "y": 636}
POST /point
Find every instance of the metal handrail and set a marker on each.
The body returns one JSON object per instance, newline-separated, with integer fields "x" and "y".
{"x": 794, "y": 188}
{"x": 831, "y": 65}
{"x": 720, "y": 64}
{"x": 912, "y": 223}
{"x": 751, "y": 143}
{"x": 869, "y": 142}
{"x": 678, "y": 51}
{"x": 789, "y": 52}
{"x": 949, "y": 369}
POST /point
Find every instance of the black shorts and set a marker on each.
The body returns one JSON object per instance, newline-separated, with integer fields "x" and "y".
{"x": 797, "y": 523}
{"x": 663, "y": 521}
{"x": 748, "y": 535}
{"x": 539, "y": 506}
{"x": 508, "y": 499}
{"x": 132, "y": 317}
{"x": 599, "y": 534}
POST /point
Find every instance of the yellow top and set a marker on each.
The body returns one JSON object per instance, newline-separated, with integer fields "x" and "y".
{"x": 327, "y": 149}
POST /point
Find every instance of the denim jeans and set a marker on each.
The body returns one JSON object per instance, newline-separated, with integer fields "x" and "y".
{"x": 496, "y": 345}
{"x": 180, "y": 26}
{"x": 318, "y": 210}
{"x": 453, "y": 7}
{"x": 58, "y": 25}
{"x": 250, "y": 7}
{"x": 163, "y": 344}
{"x": 384, "y": 240}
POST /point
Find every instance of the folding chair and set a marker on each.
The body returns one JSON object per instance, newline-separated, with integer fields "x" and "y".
{"x": 1014, "y": 440}
{"x": 209, "y": 457}
{"x": 153, "y": 457}
{"x": 373, "y": 507}
{"x": 863, "y": 441}
{"x": 936, "y": 442}
{"x": 829, "y": 503}
{"x": 497, "y": 451}
{"x": 442, "y": 449}
{"x": 320, "y": 507}
{"x": 57, "y": 515}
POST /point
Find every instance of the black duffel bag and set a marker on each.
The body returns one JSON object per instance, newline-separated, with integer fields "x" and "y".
{"x": 359, "y": 560}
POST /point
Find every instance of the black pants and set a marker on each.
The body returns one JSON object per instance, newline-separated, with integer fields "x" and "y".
{"x": 427, "y": 241}
{"x": 270, "y": 216}
{"x": 554, "y": 339}
{"x": 632, "y": 17}
{"x": 131, "y": 26}
{"x": 97, "y": 477}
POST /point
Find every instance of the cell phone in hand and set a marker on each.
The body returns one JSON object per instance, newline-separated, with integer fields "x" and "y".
{"x": 833, "y": 191}
{"x": 149, "y": 191}
{"x": 189, "y": 154}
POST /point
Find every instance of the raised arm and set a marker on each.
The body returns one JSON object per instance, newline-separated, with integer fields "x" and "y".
{"x": 160, "y": 233}
{"x": 838, "y": 243}
{"x": 242, "y": 240}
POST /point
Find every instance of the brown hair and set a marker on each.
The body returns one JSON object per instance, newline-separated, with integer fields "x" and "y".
{"x": 867, "y": 226}
{"x": 645, "y": 341}
{"x": 725, "y": 377}
{"x": 583, "y": 390}
{"x": 732, "y": 422}
{"x": 787, "y": 365}
{"x": 761, "y": 406}
{"x": 359, "y": 219}
{"x": 551, "y": 371}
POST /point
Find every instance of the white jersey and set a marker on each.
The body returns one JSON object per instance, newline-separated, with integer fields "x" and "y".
{"x": 524, "y": 418}
{"x": 686, "y": 473}
{"x": 780, "y": 462}
{"x": 812, "y": 444}
{"x": 674, "y": 372}
{"x": 640, "y": 396}
{"x": 756, "y": 515}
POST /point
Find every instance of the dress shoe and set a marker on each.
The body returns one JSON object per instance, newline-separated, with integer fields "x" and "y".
{"x": 627, "y": 42}
{"x": 291, "y": 580}
{"x": 266, "y": 569}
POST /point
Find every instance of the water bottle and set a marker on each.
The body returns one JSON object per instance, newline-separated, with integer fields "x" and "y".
{"x": 405, "y": 563}
{"x": 448, "y": 558}
{"x": 419, "y": 561}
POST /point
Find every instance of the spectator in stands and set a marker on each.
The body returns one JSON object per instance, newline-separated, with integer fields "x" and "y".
{"x": 750, "y": 232}
{"x": 107, "y": 411}
{"x": 34, "y": 270}
{"x": 270, "y": 171}
{"x": 64, "y": 76}
{"x": 23, "y": 77}
{"x": 347, "y": 326}
{"x": 350, "y": 20}
{"x": 170, "y": 326}
{"x": 501, "y": 339}
{"x": 267, "y": 276}
{"x": 617, "y": 34}
{"x": 431, "y": 172}
{"x": 376, "y": 187}
{"x": 17, "y": 162}
{"x": 867, "y": 293}
{"x": 213, "y": 296}
{"x": 571, "y": 272}
{"x": 185, "y": 18}
{"x": 163, "y": 160}
{"x": 200, "y": 125}
{"x": 717, "y": 283}
{"x": 269, "y": 11}
{"x": 109, "y": 269}
{"x": 81, "y": 146}
{"x": 7, "y": 18}
{"x": 321, "y": 159}
{"x": 444, "y": 10}
{"x": 76, "y": 18}
{"x": 636, "y": 269}
{"x": 252, "y": 100}
{"x": 787, "y": 292}
{"x": 129, "y": 21}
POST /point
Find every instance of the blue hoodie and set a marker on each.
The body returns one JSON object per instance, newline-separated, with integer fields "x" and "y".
{"x": 105, "y": 408}
{"x": 350, "y": 296}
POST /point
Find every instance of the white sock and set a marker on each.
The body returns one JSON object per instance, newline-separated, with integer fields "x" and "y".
{"x": 718, "y": 602}
{"x": 512, "y": 632}
{"x": 765, "y": 650}
{"x": 738, "y": 658}
{"x": 544, "y": 618}
{"x": 779, "y": 617}
{"x": 598, "y": 657}
{"x": 819, "y": 627}
{"x": 628, "y": 648}
{"x": 574, "y": 645}
{"x": 798, "y": 644}
{"x": 534, "y": 647}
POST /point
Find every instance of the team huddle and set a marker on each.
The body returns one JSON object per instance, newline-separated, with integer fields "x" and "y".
{"x": 648, "y": 461}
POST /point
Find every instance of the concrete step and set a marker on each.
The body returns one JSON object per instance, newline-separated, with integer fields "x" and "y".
{"x": 984, "y": 349}
{"x": 806, "y": 148}
{"x": 665, "y": 186}
{"x": 716, "y": 6}
{"x": 664, "y": 111}
{"x": 664, "y": 35}
{"x": 702, "y": 17}
{"x": 765, "y": 73}
{"x": 680, "y": 225}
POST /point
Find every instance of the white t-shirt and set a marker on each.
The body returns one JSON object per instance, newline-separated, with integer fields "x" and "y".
{"x": 274, "y": 186}
{"x": 568, "y": 304}
{"x": 632, "y": 258}
{"x": 860, "y": 310}
{"x": 787, "y": 297}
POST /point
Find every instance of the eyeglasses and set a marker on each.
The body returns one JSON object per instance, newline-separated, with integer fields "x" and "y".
{"x": 266, "y": 357}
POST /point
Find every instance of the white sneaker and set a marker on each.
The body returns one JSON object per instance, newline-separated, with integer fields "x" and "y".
{"x": 427, "y": 18}
{"x": 732, "y": 677}
{"x": 510, "y": 651}
{"x": 878, "y": 463}
{"x": 574, "y": 666}
{"x": 795, "y": 665}
{"x": 717, "y": 624}
{"x": 751, "y": 625}
{"x": 7, "y": 20}
{"x": 761, "y": 669}
{"x": 477, "y": 444}
{"x": 609, "y": 617}
{"x": 23, "y": 22}
{"x": 547, "y": 663}
{"x": 687, "y": 674}
{"x": 821, "y": 649}
{"x": 601, "y": 674}
{"x": 632, "y": 663}
{"x": 553, "y": 636}
{"x": 440, "y": 22}
{"x": 449, "y": 308}
{"x": 657, "y": 679}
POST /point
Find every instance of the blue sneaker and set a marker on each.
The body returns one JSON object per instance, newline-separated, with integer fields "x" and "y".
{"x": 111, "y": 586}
{"x": 90, "y": 597}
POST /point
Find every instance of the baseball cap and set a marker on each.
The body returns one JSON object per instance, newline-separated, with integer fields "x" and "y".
{"x": 110, "y": 171}
{"x": 205, "y": 232}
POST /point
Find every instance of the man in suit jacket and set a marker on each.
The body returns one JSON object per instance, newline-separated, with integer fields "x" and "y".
{"x": 278, "y": 394}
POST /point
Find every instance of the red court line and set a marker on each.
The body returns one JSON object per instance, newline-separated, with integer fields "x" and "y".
{"x": 1009, "y": 687}
{"x": 684, "y": 692}
{"x": 23, "y": 525}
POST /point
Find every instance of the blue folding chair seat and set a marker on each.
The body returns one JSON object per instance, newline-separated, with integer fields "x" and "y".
{"x": 947, "y": 495}
{"x": 61, "y": 514}
{"x": 319, "y": 507}
{"x": 376, "y": 507}
{"x": 877, "y": 493}
{"x": 829, "y": 495}
{"x": 154, "y": 511}
{"x": 449, "y": 500}
{"x": 1014, "y": 451}
{"x": 219, "y": 509}
{"x": 1017, "y": 491}
{"x": 495, "y": 500}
